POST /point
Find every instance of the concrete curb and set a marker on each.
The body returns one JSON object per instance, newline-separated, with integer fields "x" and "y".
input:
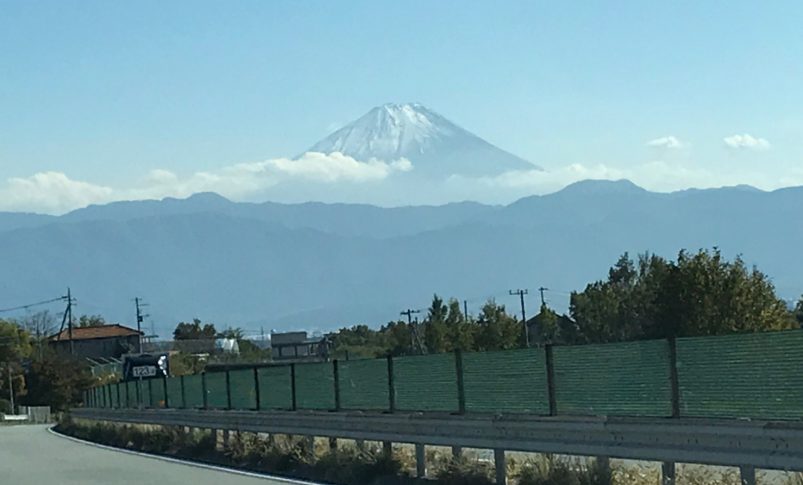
{"x": 218, "y": 468}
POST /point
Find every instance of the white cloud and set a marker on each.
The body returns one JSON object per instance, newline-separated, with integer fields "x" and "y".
{"x": 55, "y": 193}
{"x": 746, "y": 142}
{"x": 51, "y": 193}
{"x": 668, "y": 142}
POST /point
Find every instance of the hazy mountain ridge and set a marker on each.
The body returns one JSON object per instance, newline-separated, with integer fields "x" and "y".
{"x": 319, "y": 266}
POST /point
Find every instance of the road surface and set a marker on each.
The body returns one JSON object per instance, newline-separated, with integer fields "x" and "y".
{"x": 30, "y": 455}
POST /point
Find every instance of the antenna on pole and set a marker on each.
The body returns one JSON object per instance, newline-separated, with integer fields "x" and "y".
{"x": 140, "y": 318}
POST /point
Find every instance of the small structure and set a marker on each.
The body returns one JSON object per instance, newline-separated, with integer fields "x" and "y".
{"x": 297, "y": 346}
{"x": 105, "y": 341}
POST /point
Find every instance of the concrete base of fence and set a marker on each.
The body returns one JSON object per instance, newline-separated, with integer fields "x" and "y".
{"x": 668, "y": 473}
{"x": 501, "y": 467}
{"x": 420, "y": 460}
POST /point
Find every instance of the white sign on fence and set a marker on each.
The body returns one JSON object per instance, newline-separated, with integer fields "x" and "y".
{"x": 144, "y": 371}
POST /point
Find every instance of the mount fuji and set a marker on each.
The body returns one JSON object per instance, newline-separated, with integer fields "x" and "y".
{"x": 436, "y": 147}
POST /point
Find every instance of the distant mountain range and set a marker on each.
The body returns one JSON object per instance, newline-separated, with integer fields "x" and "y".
{"x": 319, "y": 266}
{"x": 435, "y": 146}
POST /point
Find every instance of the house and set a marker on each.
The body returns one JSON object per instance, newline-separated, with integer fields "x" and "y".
{"x": 297, "y": 346}
{"x": 105, "y": 341}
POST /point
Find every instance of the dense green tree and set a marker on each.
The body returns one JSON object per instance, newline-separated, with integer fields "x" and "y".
{"x": 799, "y": 312}
{"x": 91, "y": 321}
{"x": 58, "y": 381}
{"x": 436, "y": 332}
{"x": 195, "y": 331}
{"x": 699, "y": 294}
{"x": 497, "y": 330}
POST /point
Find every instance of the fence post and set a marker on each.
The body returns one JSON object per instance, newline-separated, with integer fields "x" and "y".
{"x": 119, "y": 403}
{"x": 673, "y": 377}
{"x": 164, "y": 390}
{"x": 138, "y": 387}
{"x": 550, "y": 379}
{"x": 228, "y": 390}
{"x": 127, "y": 396}
{"x": 461, "y": 386}
{"x": 203, "y": 390}
{"x": 183, "y": 393}
{"x": 293, "y": 386}
{"x": 109, "y": 389}
{"x": 256, "y": 388}
{"x": 150, "y": 393}
{"x": 391, "y": 386}
{"x": 336, "y": 375}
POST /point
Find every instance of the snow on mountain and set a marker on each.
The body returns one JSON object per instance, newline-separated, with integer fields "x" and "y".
{"x": 434, "y": 145}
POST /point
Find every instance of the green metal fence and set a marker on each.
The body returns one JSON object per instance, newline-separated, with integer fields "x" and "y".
{"x": 631, "y": 378}
{"x": 754, "y": 376}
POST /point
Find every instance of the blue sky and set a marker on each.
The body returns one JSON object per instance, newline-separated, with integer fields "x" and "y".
{"x": 103, "y": 98}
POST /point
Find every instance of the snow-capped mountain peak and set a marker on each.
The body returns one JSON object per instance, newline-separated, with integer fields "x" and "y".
{"x": 432, "y": 143}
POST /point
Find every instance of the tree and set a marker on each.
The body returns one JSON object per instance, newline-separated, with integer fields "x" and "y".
{"x": 194, "y": 331}
{"x": 497, "y": 330}
{"x": 436, "y": 337}
{"x": 58, "y": 381}
{"x": 699, "y": 294}
{"x": 91, "y": 321}
{"x": 799, "y": 312}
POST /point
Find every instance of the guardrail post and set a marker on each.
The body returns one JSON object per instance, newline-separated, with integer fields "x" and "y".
{"x": 228, "y": 390}
{"x": 293, "y": 387}
{"x": 391, "y": 387}
{"x": 500, "y": 464}
{"x": 668, "y": 473}
{"x": 673, "y": 377}
{"x": 164, "y": 390}
{"x": 203, "y": 390}
{"x": 183, "y": 393}
{"x": 256, "y": 389}
{"x": 748, "y": 474}
{"x": 550, "y": 379}
{"x": 420, "y": 460}
{"x": 336, "y": 375}
{"x": 461, "y": 386}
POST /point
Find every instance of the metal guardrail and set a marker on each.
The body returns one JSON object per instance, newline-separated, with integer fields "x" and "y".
{"x": 746, "y": 444}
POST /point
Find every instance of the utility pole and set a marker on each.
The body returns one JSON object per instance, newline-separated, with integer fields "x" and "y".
{"x": 542, "y": 290}
{"x": 11, "y": 388}
{"x": 521, "y": 294}
{"x": 69, "y": 321}
{"x": 140, "y": 319}
{"x": 465, "y": 310}
{"x": 414, "y": 338}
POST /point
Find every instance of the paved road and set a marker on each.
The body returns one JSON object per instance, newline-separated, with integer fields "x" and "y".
{"x": 30, "y": 455}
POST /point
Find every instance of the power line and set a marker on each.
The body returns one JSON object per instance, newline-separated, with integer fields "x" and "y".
{"x": 30, "y": 305}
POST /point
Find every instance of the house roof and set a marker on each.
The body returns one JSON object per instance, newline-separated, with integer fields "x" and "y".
{"x": 89, "y": 333}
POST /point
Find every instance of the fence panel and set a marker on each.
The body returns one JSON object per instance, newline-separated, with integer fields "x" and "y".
{"x": 193, "y": 389}
{"x": 243, "y": 390}
{"x": 157, "y": 393}
{"x": 216, "y": 397}
{"x": 275, "y": 387}
{"x": 174, "y": 392}
{"x": 426, "y": 383}
{"x": 364, "y": 384}
{"x": 631, "y": 378}
{"x": 315, "y": 386}
{"x": 513, "y": 381}
{"x": 749, "y": 375}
